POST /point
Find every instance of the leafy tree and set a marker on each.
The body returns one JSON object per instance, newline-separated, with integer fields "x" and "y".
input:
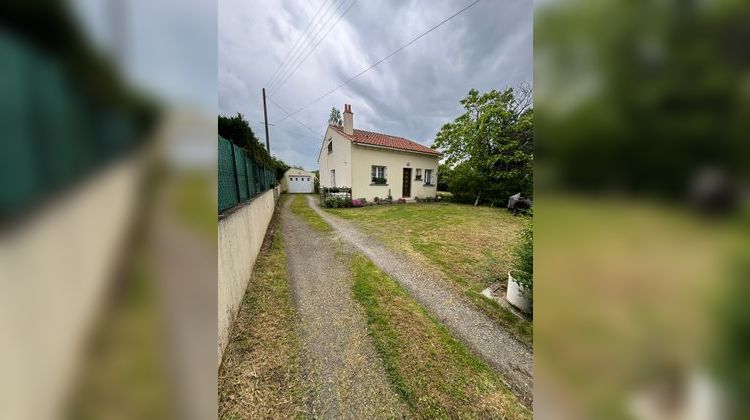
{"x": 666, "y": 101}
{"x": 490, "y": 146}
{"x": 444, "y": 172}
{"x": 281, "y": 167}
{"x": 238, "y": 131}
{"x": 465, "y": 183}
{"x": 335, "y": 117}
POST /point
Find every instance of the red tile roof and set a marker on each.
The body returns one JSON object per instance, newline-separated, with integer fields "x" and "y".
{"x": 385, "y": 140}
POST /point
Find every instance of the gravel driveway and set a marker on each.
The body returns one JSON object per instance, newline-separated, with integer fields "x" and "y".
{"x": 340, "y": 364}
{"x": 512, "y": 359}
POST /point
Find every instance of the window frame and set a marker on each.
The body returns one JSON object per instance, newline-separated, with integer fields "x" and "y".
{"x": 417, "y": 174}
{"x": 375, "y": 171}
{"x": 428, "y": 180}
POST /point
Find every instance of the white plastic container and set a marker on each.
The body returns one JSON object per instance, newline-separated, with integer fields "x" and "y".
{"x": 517, "y": 296}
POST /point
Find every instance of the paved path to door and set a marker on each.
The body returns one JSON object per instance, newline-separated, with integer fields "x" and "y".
{"x": 510, "y": 358}
{"x": 340, "y": 363}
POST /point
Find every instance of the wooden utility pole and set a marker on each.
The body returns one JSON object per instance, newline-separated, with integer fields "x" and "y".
{"x": 265, "y": 115}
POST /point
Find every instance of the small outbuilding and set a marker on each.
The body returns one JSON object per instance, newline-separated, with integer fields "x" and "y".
{"x": 298, "y": 181}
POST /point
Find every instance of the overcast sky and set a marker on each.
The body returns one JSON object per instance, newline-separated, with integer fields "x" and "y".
{"x": 412, "y": 94}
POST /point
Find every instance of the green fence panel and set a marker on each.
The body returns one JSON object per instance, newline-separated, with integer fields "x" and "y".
{"x": 258, "y": 177}
{"x": 226, "y": 176}
{"x": 249, "y": 173}
{"x": 55, "y": 133}
{"x": 239, "y": 164}
{"x": 19, "y": 180}
{"x": 240, "y": 177}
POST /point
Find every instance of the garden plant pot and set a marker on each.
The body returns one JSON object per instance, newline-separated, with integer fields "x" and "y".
{"x": 518, "y": 296}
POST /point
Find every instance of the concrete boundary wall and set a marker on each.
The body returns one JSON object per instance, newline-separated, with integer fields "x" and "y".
{"x": 241, "y": 235}
{"x": 55, "y": 271}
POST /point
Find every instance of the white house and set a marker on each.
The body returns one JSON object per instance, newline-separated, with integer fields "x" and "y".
{"x": 298, "y": 181}
{"x": 375, "y": 164}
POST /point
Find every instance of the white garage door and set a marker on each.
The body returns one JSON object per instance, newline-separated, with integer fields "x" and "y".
{"x": 300, "y": 184}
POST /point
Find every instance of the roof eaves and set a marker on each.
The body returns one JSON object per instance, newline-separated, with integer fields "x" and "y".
{"x": 436, "y": 153}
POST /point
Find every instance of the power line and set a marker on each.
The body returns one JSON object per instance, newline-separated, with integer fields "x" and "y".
{"x": 301, "y": 35}
{"x": 381, "y": 60}
{"x": 279, "y": 85}
{"x": 306, "y": 39}
{"x": 309, "y": 38}
{"x": 294, "y": 118}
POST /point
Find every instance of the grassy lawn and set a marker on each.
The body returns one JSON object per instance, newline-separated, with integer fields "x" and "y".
{"x": 471, "y": 245}
{"x": 124, "y": 370}
{"x": 259, "y": 376}
{"x": 434, "y": 373}
{"x": 193, "y": 200}
{"x": 300, "y": 208}
{"x": 635, "y": 285}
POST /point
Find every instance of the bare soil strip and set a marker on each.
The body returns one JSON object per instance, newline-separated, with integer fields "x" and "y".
{"x": 340, "y": 365}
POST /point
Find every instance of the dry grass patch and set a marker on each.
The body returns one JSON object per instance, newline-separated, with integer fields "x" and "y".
{"x": 434, "y": 373}
{"x": 259, "y": 376}
{"x": 471, "y": 245}
{"x": 633, "y": 283}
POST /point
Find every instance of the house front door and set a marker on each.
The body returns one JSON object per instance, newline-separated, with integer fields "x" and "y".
{"x": 406, "y": 188}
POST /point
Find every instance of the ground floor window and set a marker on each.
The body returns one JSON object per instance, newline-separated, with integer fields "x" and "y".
{"x": 418, "y": 176}
{"x": 428, "y": 176}
{"x": 378, "y": 175}
{"x": 333, "y": 177}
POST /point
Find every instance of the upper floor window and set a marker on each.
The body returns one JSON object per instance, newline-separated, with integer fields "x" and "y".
{"x": 330, "y": 146}
{"x": 428, "y": 176}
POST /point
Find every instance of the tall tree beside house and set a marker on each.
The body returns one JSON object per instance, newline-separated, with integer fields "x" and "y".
{"x": 489, "y": 148}
{"x": 444, "y": 172}
{"x": 335, "y": 117}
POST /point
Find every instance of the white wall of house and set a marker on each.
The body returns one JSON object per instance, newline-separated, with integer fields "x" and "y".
{"x": 364, "y": 157}
{"x": 339, "y": 159}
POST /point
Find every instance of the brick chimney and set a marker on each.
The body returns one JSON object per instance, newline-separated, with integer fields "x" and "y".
{"x": 348, "y": 120}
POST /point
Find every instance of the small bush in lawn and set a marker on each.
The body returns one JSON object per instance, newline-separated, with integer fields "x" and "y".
{"x": 525, "y": 258}
{"x": 400, "y": 201}
{"x": 357, "y": 203}
{"x": 377, "y": 199}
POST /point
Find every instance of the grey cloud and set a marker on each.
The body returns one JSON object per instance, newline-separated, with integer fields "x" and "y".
{"x": 412, "y": 94}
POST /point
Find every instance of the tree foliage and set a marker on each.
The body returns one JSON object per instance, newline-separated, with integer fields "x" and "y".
{"x": 281, "y": 167}
{"x": 237, "y": 130}
{"x": 652, "y": 101}
{"x": 489, "y": 148}
{"x": 335, "y": 117}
